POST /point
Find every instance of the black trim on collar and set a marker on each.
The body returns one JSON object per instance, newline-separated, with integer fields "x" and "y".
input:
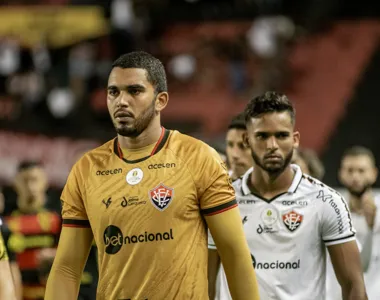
{"x": 158, "y": 148}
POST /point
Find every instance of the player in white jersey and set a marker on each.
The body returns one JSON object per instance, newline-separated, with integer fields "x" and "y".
{"x": 289, "y": 218}
{"x": 358, "y": 173}
{"x": 7, "y": 290}
{"x": 239, "y": 160}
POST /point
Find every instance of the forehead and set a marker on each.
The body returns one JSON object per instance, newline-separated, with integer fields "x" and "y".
{"x": 357, "y": 161}
{"x": 33, "y": 171}
{"x": 129, "y": 76}
{"x": 271, "y": 122}
{"x": 235, "y": 134}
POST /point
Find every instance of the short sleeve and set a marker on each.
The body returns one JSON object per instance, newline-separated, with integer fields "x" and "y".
{"x": 217, "y": 192}
{"x": 337, "y": 225}
{"x": 72, "y": 200}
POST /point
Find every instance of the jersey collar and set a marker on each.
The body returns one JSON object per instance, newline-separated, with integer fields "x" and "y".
{"x": 292, "y": 189}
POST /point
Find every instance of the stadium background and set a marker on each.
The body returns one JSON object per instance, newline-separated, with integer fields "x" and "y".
{"x": 55, "y": 56}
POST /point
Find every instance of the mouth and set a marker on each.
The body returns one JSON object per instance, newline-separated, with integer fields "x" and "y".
{"x": 123, "y": 116}
{"x": 273, "y": 157}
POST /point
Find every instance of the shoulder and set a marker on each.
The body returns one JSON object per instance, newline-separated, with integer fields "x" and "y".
{"x": 94, "y": 157}
{"x": 188, "y": 148}
{"x": 313, "y": 185}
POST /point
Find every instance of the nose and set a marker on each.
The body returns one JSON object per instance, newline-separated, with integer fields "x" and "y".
{"x": 235, "y": 153}
{"x": 272, "y": 143}
{"x": 123, "y": 99}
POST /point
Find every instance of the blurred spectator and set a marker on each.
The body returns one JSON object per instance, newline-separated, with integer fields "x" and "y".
{"x": 309, "y": 163}
{"x": 34, "y": 225}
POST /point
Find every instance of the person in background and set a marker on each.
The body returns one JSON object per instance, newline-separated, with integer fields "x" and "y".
{"x": 309, "y": 162}
{"x": 291, "y": 218}
{"x": 239, "y": 158}
{"x": 34, "y": 230}
{"x": 358, "y": 173}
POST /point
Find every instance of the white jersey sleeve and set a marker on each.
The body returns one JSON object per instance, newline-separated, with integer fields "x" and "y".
{"x": 211, "y": 243}
{"x": 336, "y": 220}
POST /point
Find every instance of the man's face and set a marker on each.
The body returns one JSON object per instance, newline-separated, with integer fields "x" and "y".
{"x": 357, "y": 173}
{"x": 272, "y": 140}
{"x": 31, "y": 184}
{"x": 238, "y": 153}
{"x": 131, "y": 101}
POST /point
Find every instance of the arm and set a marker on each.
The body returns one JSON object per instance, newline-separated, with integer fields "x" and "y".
{"x": 346, "y": 262}
{"x": 7, "y": 289}
{"x": 65, "y": 275}
{"x": 75, "y": 239}
{"x": 339, "y": 237}
{"x": 227, "y": 231}
{"x": 213, "y": 269}
{"x": 17, "y": 280}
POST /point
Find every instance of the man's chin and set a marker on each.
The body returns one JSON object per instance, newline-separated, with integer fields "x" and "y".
{"x": 127, "y": 132}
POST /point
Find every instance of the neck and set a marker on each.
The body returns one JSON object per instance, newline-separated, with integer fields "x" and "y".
{"x": 356, "y": 203}
{"x": 268, "y": 184}
{"x": 32, "y": 206}
{"x": 149, "y": 136}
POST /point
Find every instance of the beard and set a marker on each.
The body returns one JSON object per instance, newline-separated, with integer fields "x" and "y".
{"x": 358, "y": 193}
{"x": 139, "y": 124}
{"x": 273, "y": 168}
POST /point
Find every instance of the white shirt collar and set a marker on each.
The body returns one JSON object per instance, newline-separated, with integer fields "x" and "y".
{"x": 292, "y": 189}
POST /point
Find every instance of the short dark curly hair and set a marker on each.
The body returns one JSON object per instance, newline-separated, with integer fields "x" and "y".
{"x": 267, "y": 103}
{"x": 238, "y": 122}
{"x": 142, "y": 60}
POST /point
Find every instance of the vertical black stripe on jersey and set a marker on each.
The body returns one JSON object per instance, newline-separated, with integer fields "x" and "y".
{"x": 348, "y": 213}
{"x": 159, "y": 147}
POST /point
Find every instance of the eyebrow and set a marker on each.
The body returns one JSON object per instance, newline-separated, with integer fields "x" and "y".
{"x": 131, "y": 86}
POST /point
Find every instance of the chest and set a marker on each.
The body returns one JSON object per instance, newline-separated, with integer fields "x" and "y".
{"x": 147, "y": 194}
{"x": 281, "y": 224}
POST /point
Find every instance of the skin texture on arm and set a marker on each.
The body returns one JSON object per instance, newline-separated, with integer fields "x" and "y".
{"x": 72, "y": 253}
{"x": 227, "y": 230}
{"x": 345, "y": 259}
{"x": 17, "y": 280}
{"x": 7, "y": 288}
{"x": 213, "y": 269}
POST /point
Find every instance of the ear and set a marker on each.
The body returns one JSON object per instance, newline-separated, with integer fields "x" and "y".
{"x": 375, "y": 173}
{"x": 245, "y": 139}
{"x": 162, "y": 100}
{"x": 296, "y": 139}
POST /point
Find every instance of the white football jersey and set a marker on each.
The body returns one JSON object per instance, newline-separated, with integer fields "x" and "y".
{"x": 287, "y": 236}
{"x": 372, "y": 276}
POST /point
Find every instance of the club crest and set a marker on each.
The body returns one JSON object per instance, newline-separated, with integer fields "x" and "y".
{"x": 292, "y": 220}
{"x": 161, "y": 196}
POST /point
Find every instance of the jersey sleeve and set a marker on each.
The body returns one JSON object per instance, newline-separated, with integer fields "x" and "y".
{"x": 72, "y": 200}
{"x": 217, "y": 192}
{"x": 337, "y": 225}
